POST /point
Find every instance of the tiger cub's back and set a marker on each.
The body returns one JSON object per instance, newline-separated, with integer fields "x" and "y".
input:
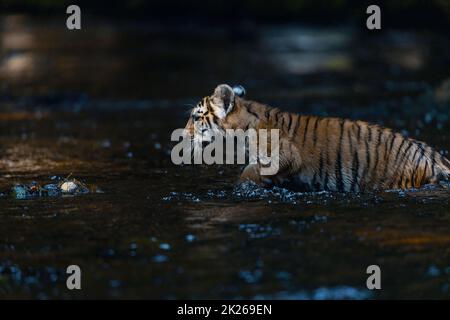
{"x": 344, "y": 155}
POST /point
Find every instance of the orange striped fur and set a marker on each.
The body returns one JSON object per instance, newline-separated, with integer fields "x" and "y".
{"x": 325, "y": 153}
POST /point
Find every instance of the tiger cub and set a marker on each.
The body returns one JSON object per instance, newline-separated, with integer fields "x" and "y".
{"x": 323, "y": 153}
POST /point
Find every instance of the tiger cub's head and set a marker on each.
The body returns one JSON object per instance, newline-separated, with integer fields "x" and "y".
{"x": 209, "y": 116}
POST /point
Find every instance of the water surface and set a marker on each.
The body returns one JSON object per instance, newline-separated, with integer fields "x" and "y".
{"x": 100, "y": 104}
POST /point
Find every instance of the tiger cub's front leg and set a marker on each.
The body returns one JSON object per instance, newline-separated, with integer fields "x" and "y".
{"x": 252, "y": 172}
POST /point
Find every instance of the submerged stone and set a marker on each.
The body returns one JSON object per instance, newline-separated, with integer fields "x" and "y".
{"x": 20, "y": 192}
{"x": 51, "y": 190}
{"x": 69, "y": 186}
{"x": 32, "y": 190}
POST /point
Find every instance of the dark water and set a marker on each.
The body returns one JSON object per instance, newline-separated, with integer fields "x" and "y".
{"x": 101, "y": 104}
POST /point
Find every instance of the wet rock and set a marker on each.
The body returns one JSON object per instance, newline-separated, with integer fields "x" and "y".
{"x": 51, "y": 190}
{"x": 68, "y": 186}
{"x": 20, "y": 191}
{"x": 33, "y": 190}
{"x": 73, "y": 187}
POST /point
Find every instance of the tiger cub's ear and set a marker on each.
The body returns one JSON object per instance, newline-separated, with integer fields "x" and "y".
{"x": 223, "y": 100}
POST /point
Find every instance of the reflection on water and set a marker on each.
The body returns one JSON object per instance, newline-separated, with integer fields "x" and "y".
{"x": 337, "y": 293}
{"x": 18, "y": 65}
{"x": 16, "y": 33}
{"x": 303, "y": 50}
{"x": 102, "y": 104}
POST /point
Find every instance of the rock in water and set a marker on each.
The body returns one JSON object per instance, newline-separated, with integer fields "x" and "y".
{"x": 69, "y": 187}
{"x": 20, "y": 191}
{"x": 51, "y": 190}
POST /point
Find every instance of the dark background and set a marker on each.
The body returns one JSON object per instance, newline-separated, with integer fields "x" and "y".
{"x": 99, "y": 105}
{"x": 418, "y": 13}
